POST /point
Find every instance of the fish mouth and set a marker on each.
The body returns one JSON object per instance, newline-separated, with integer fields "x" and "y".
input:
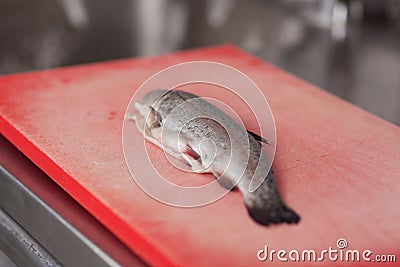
{"x": 139, "y": 120}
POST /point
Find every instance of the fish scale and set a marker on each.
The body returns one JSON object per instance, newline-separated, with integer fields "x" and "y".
{"x": 214, "y": 143}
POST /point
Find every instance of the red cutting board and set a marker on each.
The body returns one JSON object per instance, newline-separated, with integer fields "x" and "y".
{"x": 336, "y": 165}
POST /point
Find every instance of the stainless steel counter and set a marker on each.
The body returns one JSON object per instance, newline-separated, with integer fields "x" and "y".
{"x": 41, "y": 225}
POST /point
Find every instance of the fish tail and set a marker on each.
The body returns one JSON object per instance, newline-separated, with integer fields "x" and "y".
{"x": 266, "y": 207}
{"x": 281, "y": 214}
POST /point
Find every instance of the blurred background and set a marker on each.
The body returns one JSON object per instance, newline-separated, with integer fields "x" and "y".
{"x": 350, "y": 48}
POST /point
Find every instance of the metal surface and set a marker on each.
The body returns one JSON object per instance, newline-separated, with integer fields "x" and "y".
{"x": 5, "y": 261}
{"x": 20, "y": 246}
{"x": 72, "y": 244}
{"x": 335, "y": 164}
{"x": 348, "y": 47}
{"x": 48, "y": 228}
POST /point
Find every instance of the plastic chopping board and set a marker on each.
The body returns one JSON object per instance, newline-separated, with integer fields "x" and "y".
{"x": 336, "y": 165}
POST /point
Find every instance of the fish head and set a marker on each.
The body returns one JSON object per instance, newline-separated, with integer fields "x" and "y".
{"x": 145, "y": 112}
{"x": 153, "y": 97}
{"x": 148, "y": 102}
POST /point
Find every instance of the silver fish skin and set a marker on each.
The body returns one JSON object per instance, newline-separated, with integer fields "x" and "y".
{"x": 198, "y": 133}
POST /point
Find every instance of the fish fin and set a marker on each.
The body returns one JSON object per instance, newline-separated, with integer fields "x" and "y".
{"x": 193, "y": 159}
{"x": 148, "y": 135}
{"x": 280, "y": 214}
{"x": 188, "y": 150}
{"x": 258, "y": 138}
{"x": 154, "y": 119}
{"x": 265, "y": 205}
{"x": 147, "y": 118}
{"x": 153, "y": 127}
